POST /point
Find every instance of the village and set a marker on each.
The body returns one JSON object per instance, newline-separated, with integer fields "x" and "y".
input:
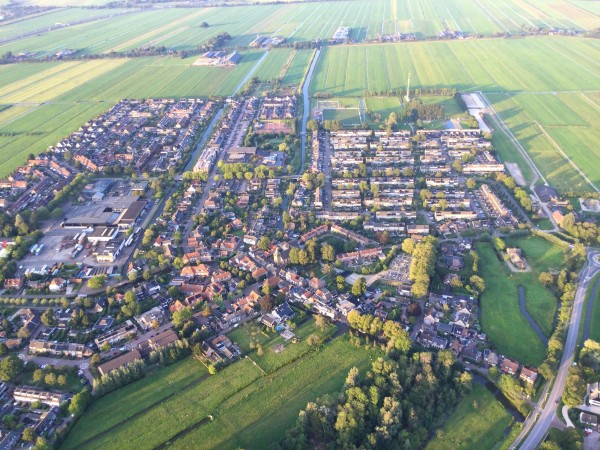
{"x": 159, "y": 242}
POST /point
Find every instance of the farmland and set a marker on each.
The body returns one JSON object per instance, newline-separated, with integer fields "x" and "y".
{"x": 240, "y": 399}
{"x": 478, "y": 422}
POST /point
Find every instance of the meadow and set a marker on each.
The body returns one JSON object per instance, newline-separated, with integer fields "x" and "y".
{"x": 478, "y": 422}
{"x": 501, "y": 317}
{"x": 595, "y": 318}
{"x": 244, "y": 399}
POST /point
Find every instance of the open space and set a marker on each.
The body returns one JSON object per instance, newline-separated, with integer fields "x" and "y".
{"x": 244, "y": 398}
{"x": 501, "y": 318}
{"x": 479, "y": 422}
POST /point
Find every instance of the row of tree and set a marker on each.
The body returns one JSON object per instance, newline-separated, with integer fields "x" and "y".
{"x": 422, "y": 265}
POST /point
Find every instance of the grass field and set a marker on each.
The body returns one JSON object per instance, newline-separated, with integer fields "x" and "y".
{"x": 134, "y": 398}
{"x": 241, "y": 399}
{"x": 595, "y": 320}
{"x": 473, "y": 428}
{"x": 348, "y": 117}
{"x": 501, "y": 318}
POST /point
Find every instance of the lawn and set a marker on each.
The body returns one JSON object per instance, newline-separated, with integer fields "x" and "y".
{"x": 501, "y": 317}
{"x": 348, "y": 117}
{"x": 479, "y": 422}
{"x": 134, "y": 398}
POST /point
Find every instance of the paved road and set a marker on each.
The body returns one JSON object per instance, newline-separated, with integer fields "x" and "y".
{"x": 540, "y": 429}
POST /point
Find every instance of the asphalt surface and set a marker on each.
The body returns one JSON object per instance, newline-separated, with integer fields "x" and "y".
{"x": 547, "y": 414}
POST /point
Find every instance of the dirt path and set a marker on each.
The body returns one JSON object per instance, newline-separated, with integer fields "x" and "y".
{"x": 526, "y": 314}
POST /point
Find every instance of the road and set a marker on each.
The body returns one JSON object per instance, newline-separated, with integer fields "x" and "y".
{"x": 540, "y": 429}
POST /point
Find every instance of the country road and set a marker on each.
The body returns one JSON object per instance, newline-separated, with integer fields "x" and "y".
{"x": 540, "y": 429}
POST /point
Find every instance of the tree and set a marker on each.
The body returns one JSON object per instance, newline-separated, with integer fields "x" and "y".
{"x": 327, "y": 252}
{"x": 10, "y": 368}
{"x": 206, "y": 311}
{"x": 408, "y": 246}
{"x": 359, "y": 287}
{"x": 3, "y": 349}
{"x": 314, "y": 340}
{"x": 50, "y": 379}
{"x": 265, "y": 302}
{"x": 471, "y": 183}
{"x": 38, "y": 375}
{"x": 477, "y": 283}
{"x": 320, "y": 322}
{"x": 263, "y": 243}
{"x": 49, "y": 318}
{"x": 61, "y": 380}
{"x": 28, "y": 435}
{"x": 96, "y": 359}
{"x": 23, "y": 333}
{"x": 80, "y": 402}
{"x": 182, "y": 316}
{"x": 546, "y": 278}
{"x": 97, "y": 282}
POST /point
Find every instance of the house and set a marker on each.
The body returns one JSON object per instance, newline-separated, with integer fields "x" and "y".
{"x": 516, "y": 258}
{"x": 509, "y": 367}
{"x": 269, "y": 320}
{"x": 316, "y": 283}
{"x": 284, "y": 312}
{"x": 345, "y": 306}
{"x": 490, "y": 357}
{"x": 164, "y": 339}
{"x": 9, "y": 439}
{"x": 528, "y": 375}
{"x": 119, "y": 362}
{"x": 31, "y": 395}
{"x": 13, "y": 283}
{"x": 593, "y": 391}
{"x": 588, "y": 419}
{"x": 57, "y": 284}
{"x": 472, "y": 353}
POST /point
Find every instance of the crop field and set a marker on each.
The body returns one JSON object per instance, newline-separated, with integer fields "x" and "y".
{"x": 41, "y": 22}
{"x": 178, "y": 28}
{"x": 501, "y": 317}
{"x": 520, "y": 65}
{"x": 549, "y": 123}
{"x": 34, "y": 128}
{"x": 274, "y": 64}
{"x": 241, "y": 399}
{"x": 478, "y": 422}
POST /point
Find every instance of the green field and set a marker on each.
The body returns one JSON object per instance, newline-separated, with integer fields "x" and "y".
{"x": 241, "y": 399}
{"x": 134, "y": 398}
{"x": 297, "y": 69}
{"x": 473, "y": 428}
{"x": 348, "y": 117}
{"x": 501, "y": 317}
{"x": 595, "y": 320}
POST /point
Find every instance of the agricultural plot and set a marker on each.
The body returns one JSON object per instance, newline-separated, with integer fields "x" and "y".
{"x": 525, "y": 65}
{"x": 35, "y": 128}
{"x": 41, "y": 22}
{"x": 297, "y": 69}
{"x": 275, "y": 65}
{"x": 559, "y": 132}
{"x": 479, "y": 421}
{"x": 260, "y": 414}
{"x": 501, "y": 317}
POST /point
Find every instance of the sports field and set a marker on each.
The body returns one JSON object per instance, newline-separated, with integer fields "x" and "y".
{"x": 478, "y": 422}
{"x": 501, "y": 318}
{"x": 244, "y": 399}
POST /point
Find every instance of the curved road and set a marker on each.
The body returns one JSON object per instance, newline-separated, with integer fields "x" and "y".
{"x": 540, "y": 429}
